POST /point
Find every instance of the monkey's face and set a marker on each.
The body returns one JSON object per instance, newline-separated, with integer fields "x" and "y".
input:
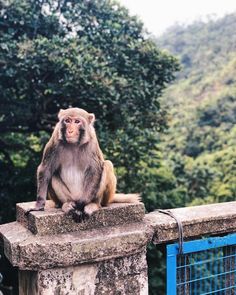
{"x": 75, "y": 126}
{"x": 72, "y": 129}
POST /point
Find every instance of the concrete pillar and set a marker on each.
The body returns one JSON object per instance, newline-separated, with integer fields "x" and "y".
{"x": 56, "y": 256}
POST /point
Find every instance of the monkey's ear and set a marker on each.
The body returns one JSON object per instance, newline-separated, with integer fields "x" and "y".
{"x": 91, "y": 118}
{"x": 61, "y": 114}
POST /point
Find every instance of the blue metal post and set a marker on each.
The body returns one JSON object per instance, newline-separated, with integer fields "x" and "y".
{"x": 171, "y": 270}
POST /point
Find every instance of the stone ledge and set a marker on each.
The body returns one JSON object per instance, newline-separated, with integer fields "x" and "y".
{"x": 34, "y": 252}
{"x": 53, "y": 221}
{"x": 197, "y": 221}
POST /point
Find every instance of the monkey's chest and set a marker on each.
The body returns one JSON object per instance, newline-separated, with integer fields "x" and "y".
{"x": 73, "y": 179}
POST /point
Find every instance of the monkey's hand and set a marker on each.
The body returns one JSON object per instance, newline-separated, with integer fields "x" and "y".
{"x": 40, "y": 204}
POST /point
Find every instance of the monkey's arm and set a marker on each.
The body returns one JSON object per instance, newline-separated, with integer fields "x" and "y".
{"x": 43, "y": 178}
{"x": 44, "y": 175}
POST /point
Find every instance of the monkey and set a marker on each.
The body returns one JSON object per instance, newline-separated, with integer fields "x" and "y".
{"x": 73, "y": 172}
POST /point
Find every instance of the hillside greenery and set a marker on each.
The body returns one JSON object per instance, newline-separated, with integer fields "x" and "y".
{"x": 94, "y": 55}
{"x": 200, "y": 144}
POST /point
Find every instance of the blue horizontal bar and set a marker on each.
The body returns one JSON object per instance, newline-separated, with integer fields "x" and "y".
{"x": 202, "y": 244}
{"x": 199, "y": 262}
{"x": 206, "y": 278}
{"x": 223, "y": 289}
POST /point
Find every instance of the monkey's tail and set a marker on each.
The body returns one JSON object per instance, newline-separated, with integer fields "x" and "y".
{"x": 126, "y": 198}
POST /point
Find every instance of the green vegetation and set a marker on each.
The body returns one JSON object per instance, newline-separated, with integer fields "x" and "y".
{"x": 200, "y": 143}
{"x": 93, "y": 55}
{"x": 87, "y": 54}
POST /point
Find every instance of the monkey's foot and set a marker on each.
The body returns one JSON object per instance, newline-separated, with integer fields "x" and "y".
{"x": 33, "y": 209}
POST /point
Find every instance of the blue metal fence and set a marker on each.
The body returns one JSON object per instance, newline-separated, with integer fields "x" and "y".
{"x": 207, "y": 266}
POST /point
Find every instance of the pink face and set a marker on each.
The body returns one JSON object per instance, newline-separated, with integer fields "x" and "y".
{"x": 72, "y": 129}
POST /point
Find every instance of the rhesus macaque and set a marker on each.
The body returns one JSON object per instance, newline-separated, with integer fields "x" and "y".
{"x": 73, "y": 172}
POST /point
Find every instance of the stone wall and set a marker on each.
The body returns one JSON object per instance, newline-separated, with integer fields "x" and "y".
{"x": 104, "y": 255}
{"x": 127, "y": 275}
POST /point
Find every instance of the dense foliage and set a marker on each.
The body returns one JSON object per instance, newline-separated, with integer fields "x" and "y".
{"x": 92, "y": 54}
{"x": 88, "y": 54}
{"x": 200, "y": 144}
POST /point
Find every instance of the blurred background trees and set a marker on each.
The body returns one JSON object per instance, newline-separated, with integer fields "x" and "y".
{"x": 94, "y": 55}
{"x": 201, "y": 138}
{"x": 87, "y": 54}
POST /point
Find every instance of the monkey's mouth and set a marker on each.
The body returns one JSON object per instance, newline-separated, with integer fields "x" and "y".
{"x": 71, "y": 138}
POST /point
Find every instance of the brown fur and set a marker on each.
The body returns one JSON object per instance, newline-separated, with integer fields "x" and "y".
{"x": 73, "y": 172}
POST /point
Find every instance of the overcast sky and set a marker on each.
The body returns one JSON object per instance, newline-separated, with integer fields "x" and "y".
{"x": 159, "y": 15}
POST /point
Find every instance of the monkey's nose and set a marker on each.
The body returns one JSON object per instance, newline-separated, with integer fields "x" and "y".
{"x": 70, "y": 131}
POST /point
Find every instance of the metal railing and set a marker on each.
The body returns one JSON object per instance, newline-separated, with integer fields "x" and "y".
{"x": 206, "y": 266}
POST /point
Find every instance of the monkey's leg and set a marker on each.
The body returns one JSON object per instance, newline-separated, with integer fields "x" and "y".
{"x": 68, "y": 206}
{"x": 61, "y": 191}
{"x": 107, "y": 188}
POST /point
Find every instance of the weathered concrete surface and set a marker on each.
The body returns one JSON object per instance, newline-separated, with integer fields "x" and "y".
{"x": 104, "y": 255}
{"x": 126, "y": 275}
{"x": 197, "y": 221}
{"x": 107, "y": 259}
{"x": 32, "y": 252}
{"x": 54, "y": 221}
{"x": 123, "y": 276}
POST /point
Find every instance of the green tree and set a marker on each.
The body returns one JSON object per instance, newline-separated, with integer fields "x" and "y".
{"x": 200, "y": 142}
{"x": 88, "y": 54}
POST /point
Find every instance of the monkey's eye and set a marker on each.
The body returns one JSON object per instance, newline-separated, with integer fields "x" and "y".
{"x": 68, "y": 120}
{"x": 77, "y": 121}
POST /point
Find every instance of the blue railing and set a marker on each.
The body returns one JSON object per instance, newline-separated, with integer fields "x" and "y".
{"x": 206, "y": 266}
